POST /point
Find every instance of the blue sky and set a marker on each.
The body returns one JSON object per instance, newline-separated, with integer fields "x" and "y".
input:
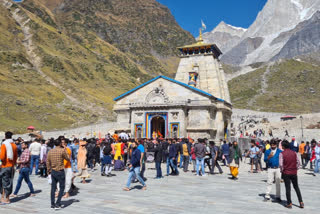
{"x": 188, "y": 13}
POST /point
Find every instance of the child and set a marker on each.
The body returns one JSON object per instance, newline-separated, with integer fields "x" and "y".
{"x": 107, "y": 161}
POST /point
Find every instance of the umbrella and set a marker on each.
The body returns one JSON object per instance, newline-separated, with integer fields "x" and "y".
{"x": 31, "y": 128}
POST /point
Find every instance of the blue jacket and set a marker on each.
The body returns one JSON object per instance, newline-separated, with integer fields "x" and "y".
{"x": 225, "y": 149}
{"x": 293, "y": 148}
{"x": 135, "y": 158}
{"x": 172, "y": 151}
{"x": 274, "y": 161}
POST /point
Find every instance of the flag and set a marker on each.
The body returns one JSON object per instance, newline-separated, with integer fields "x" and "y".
{"x": 203, "y": 26}
{"x": 189, "y": 138}
{"x": 226, "y": 134}
{"x": 159, "y": 134}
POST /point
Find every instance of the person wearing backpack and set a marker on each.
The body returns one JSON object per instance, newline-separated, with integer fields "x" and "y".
{"x": 214, "y": 150}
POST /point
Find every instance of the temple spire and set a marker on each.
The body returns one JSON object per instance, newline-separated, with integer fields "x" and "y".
{"x": 200, "y": 40}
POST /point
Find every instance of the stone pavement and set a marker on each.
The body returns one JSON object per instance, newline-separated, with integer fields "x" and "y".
{"x": 182, "y": 194}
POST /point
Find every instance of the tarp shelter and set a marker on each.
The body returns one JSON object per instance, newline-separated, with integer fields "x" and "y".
{"x": 288, "y": 117}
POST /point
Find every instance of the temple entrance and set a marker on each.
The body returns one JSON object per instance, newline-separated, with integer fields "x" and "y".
{"x": 158, "y": 127}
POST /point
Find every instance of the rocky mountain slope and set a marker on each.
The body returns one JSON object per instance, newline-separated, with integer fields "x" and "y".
{"x": 304, "y": 39}
{"x": 224, "y": 35}
{"x": 62, "y": 62}
{"x": 273, "y": 28}
{"x": 291, "y": 86}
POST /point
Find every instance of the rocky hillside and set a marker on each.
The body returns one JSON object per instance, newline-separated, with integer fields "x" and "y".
{"x": 303, "y": 39}
{"x": 290, "y": 86}
{"x": 62, "y": 62}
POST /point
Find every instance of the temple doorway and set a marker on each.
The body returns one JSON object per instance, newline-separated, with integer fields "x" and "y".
{"x": 158, "y": 127}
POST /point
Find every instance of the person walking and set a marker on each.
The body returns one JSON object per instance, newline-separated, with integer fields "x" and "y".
{"x": 24, "y": 170}
{"x": 134, "y": 166}
{"x": 180, "y": 151}
{"x": 141, "y": 147}
{"x": 271, "y": 158}
{"x": 317, "y": 159}
{"x": 193, "y": 158}
{"x": 82, "y": 162}
{"x": 225, "y": 152}
{"x": 234, "y": 160}
{"x": 286, "y": 133}
{"x": 186, "y": 150}
{"x": 8, "y": 157}
{"x": 74, "y": 149}
{"x": 35, "y": 149}
{"x": 67, "y": 170}
{"x": 43, "y": 159}
{"x": 106, "y": 161}
{"x": 253, "y": 153}
{"x": 307, "y": 154}
{"x": 312, "y": 153}
{"x": 294, "y": 146}
{"x": 301, "y": 152}
{"x": 172, "y": 157}
{"x": 200, "y": 151}
{"x": 157, "y": 157}
{"x": 91, "y": 154}
{"x": 214, "y": 150}
{"x": 266, "y": 148}
{"x": 55, "y": 167}
{"x": 289, "y": 164}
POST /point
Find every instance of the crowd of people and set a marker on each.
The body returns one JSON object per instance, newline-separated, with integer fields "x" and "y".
{"x": 62, "y": 160}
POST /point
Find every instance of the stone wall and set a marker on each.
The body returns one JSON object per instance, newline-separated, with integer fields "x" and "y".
{"x": 211, "y": 76}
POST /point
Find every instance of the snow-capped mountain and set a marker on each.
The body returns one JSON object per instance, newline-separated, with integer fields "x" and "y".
{"x": 270, "y": 32}
{"x": 224, "y": 35}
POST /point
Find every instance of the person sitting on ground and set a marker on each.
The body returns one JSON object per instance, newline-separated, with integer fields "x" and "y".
{"x": 118, "y": 164}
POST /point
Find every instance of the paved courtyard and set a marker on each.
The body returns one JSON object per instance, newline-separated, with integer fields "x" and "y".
{"x": 182, "y": 194}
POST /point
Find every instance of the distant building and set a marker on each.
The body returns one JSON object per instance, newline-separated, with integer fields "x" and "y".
{"x": 195, "y": 104}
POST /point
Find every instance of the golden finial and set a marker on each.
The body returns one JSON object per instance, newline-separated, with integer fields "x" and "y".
{"x": 200, "y": 40}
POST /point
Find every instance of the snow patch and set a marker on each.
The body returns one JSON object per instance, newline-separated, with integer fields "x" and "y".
{"x": 237, "y": 28}
{"x": 304, "y": 13}
{"x": 298, "y": 4}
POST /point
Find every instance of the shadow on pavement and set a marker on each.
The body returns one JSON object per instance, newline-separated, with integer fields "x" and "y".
{"x": 74, "y": 190}
{"x": 24, "y": 196}
{"x": 67, "y": 203}
{"x": 137, "y": 187}
{"x": 310, "y": 173}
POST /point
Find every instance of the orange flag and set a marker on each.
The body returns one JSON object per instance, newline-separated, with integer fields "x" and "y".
{"x": 159, "y": 134}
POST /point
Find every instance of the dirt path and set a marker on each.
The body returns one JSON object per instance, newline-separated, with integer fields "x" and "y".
{"x": 264, "y": 85}
{"x": 22, "y": 19}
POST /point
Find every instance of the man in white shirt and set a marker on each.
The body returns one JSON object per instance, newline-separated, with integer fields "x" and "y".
{"x": 35, "y": 149}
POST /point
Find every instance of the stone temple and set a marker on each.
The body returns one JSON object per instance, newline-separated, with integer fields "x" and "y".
{"x": 195, "y": 104}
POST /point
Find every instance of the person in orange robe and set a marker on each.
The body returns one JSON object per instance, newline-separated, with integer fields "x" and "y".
{"x": 8, "y": 157}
